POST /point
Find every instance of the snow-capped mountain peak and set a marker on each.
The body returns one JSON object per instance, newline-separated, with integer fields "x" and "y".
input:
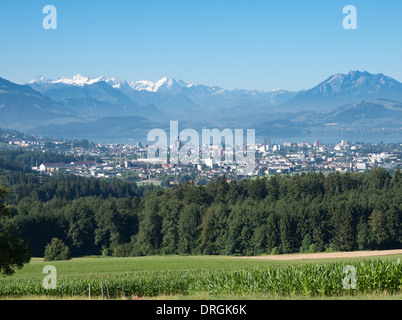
{"x": 142, "y": 85}
{"x": 77, "y": 80}
{"x": 40, "y": 79}
{"x": 168, "y": 84}
{"x": 162, "y": 85}
{"x": 115, "y": 82}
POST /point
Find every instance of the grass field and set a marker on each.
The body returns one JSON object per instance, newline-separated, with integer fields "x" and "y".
{"x": 207, "y": 277}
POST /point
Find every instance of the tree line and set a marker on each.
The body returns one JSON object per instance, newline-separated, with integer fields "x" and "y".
{"x": 307, "y": 212}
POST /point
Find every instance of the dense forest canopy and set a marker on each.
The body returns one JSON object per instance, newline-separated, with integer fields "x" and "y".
{"x": 276, "y": 214}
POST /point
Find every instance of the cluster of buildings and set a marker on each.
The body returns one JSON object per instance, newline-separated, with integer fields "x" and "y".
{"x": 132, "y": 163}
{"x": 342, "y": 157}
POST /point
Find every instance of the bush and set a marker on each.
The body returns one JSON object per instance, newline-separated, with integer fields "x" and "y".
{"x": 107, "y": 252}
{"x": 56, "y": 250}
{"x": 330, "y": 248}
{"x": 275, "y": 251}
{"x": 313, "y": 248}
{"x": 123, "y": 250}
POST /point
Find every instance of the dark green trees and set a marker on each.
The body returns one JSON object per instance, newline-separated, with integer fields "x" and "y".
{"x": 277, "y": 214}
{"x": 13, "y": 251}
{"x": 188, "y": 228}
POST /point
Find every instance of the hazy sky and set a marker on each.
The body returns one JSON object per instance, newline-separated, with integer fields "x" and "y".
{"x": 251, "y": 44}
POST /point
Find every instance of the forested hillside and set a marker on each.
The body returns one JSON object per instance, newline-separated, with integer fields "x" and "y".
{"x": 278, "y": 214}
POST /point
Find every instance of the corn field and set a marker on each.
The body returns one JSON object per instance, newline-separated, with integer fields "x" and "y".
{"x": 311, "y": 280}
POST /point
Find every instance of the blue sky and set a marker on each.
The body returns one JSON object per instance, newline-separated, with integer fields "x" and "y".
{"x": 250, "y": 44}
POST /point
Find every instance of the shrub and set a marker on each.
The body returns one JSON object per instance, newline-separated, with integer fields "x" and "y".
{"x": 313, "y": 248}
{"x": 107, "y": 252}
{"x": 123, "y": 250}
{"x": 56, "y": 250}
{"x": 275, "y": 251}
{"x": 330, "y": 248}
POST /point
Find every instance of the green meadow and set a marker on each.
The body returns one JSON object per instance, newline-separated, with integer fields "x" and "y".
{"x": 205, "y": 277}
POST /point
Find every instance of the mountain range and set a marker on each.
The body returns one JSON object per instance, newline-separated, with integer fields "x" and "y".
{"x": 168, "y": 96}
{"x": 342, "y": 89}
{"x": 23, "y": 107}
{"x": 74, "y": 104}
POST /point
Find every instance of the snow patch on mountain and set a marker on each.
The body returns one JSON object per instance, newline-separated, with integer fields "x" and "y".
{"x": 164, "y": 84}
